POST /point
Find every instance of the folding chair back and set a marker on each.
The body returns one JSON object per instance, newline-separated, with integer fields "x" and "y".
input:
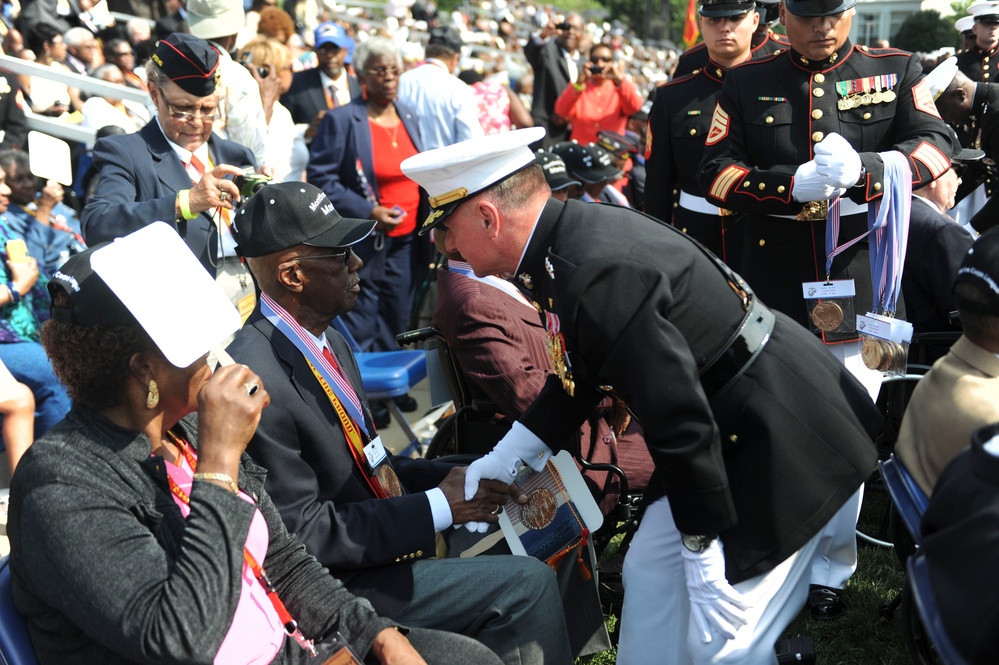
{"x": 929, "y": 614}
{"x": 15, "y": 645}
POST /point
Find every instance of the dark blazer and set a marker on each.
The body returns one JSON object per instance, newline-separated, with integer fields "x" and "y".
{"x": 313, "y": 480}
{"x": 140, "y": 176}
{"x": 343, "y": 139}
{"x": 501, "y": 347}
{"x": 306, "y": 98}
{"x": 551, "y": 75}
{"x": 643, "y": 310}
{"x": 12, "y": 120}
{"x": 935, "y": 249}
{"x": 960, "y": 542}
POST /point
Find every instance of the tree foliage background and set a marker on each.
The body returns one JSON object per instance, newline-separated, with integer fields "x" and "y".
{"x": 925, "y": 31}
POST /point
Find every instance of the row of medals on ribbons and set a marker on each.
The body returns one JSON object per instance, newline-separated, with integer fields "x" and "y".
{"x": 837, "y": 315}
{"x": 866, "y": 91}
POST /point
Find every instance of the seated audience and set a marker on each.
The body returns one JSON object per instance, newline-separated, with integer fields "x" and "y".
{"x": 45, "y": 96}
{"x": 38, "y": 215}
{"x": 375, "y": 521}
{"x": 177, "y": 548}
{"x": 13, "y": 126}
{"x": 960, "y": 544}
{"x": 103, "y": 110}
{"x": 961, "y": 392}
{"x": 119, "y": 52}
{"x": 81, "y": 51}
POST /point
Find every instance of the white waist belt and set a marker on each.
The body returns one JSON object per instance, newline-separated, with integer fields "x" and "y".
{"x": 696, "y": 204}
{"x": 846, "y": 208}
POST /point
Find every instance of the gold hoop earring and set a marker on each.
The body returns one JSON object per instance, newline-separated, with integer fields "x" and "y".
{"x": 153, "y": 395}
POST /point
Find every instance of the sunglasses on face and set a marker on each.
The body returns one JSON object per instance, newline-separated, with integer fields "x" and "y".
{"x": 345, "y": 255}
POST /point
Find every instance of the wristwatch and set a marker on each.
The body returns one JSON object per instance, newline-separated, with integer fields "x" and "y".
{"x": 697, "y": 544}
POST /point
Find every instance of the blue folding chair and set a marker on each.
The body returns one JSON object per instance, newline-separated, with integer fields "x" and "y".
{"x": 929, "y": 612}
{"x": 908, "y": 498}
{"x": 387, "y": 374}
{"x": 15, "y": 645}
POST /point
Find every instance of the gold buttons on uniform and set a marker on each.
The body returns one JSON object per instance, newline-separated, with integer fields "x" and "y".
{"x": 819, "y": 78}
{"x": 985, "y": 75}
{"x": 762, "y": 186}
{"x": 867, "y": 116}
{"x": 684, "y": 229}
{"x": 985, "y": 59}
{"x": 780, "y": 189}
{"x": 769, "y": 119}
{"x": 733, "y": 438}
{"x": 877, "y": 187}
{"x": 745, "y": 184}
{"x": 817, "y": 113}
{"x": 762, "y": 242}
{"x": 818, "y": 136}
{"x": 718, "y": 72}
{"x": 818, "y": 92}
{"x": 419, "y": 553}
{"x": 693, "y": 131}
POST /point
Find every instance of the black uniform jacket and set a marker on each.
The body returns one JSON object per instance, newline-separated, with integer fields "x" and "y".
{"x": 769, "y": 115}
{"x": 678, "y": 124}
{"x": 764, "y": 463}
{"x": 322, "y": 495}
{"x": 978, "y": 64}
{"x": 696, "y": 57}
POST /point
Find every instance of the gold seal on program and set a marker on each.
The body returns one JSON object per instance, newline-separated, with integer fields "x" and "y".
{"x": 827, "y": 316}
{"x": 539, "y": 511}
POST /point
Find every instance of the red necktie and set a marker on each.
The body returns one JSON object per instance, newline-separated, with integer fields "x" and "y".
{"x": 198, "y": 166}
{"x": 329, "y": 356}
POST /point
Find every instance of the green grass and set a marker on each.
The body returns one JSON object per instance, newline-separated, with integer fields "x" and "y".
{"x": 860, "y": 636}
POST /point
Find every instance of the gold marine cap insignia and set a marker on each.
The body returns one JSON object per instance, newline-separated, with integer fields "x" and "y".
{"x": 448, "y": 197}
{"x": 431, "y": 217}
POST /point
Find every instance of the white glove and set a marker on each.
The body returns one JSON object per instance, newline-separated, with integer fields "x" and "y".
{"x": 837, "y": 162}
{"x": 808, "y": 185}
{"x": 503, "y": 463}
{"x": 713, "y": 601}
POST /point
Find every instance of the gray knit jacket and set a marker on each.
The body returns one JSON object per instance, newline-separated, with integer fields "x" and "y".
{"x": 106, "y": 569}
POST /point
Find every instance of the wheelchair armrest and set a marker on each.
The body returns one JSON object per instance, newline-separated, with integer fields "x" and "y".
{"x": 610, "y": 468}
{"x": 415, "y": 336}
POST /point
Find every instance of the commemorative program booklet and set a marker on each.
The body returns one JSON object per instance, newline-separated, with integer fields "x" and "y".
{"x": 559, "y": 506}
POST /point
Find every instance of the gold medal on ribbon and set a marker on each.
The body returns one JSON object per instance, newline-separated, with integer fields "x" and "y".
{"x": 888, "y": 95}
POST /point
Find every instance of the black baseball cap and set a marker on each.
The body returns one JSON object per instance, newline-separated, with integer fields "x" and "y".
{"x": 620, "y": 145}
{"x": 591, "y": 164}
{"x": 190, "y": 62}
{"x": 93, "y": 301}
{"x": 981, "y": 268}
{"x": 726, "y": 7}
{"x": 285, "y": 214}
{"x": 556, "y": 174}
{"x": 808, "y": 8}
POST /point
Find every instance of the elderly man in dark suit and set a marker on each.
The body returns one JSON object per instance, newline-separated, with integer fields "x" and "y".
{"x": 376, "y": 521}
{"x": 174, "y": 169}
{"x": 315, "y": 91}
{"x": 758, "y": 434}
{"x": 555, "y": 63}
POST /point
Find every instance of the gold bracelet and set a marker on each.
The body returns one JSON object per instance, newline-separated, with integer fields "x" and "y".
{"x": 224, "y": 477}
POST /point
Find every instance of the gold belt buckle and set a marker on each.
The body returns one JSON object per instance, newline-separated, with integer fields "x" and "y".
{"x": 814, "y": 211}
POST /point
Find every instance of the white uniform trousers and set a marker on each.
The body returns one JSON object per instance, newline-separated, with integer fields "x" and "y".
{"x": 655, "y": 619}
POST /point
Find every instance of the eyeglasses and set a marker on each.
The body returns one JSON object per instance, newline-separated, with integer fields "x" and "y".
{"x": 345, "y": 255}
{"x": 382, "y": 72}
{"x": 189, "y": 113}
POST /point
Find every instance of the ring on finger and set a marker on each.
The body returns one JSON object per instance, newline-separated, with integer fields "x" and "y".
{"x": 223, "y": 196}
{"x": 251, "y": 388}
{"x": 497, "y": 510}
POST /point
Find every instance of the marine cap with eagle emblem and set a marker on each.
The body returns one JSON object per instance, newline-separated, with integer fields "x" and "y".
{"x": 455, "y": 173}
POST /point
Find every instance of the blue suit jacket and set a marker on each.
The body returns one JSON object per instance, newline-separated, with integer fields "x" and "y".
{"x": 342, "y": 140}
{"x": 140, "y": 176}
{"x": 306, "y": 98}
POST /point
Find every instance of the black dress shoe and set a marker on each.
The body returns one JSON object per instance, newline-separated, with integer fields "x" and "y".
{"x": 380, "y": 415}
{"x": 406, "y": 403}
{"x": 824, "y": 603}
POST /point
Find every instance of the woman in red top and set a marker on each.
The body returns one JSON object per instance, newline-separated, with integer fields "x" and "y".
{"x": 600, "y": 99}
{"x": 355, "y": 159}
